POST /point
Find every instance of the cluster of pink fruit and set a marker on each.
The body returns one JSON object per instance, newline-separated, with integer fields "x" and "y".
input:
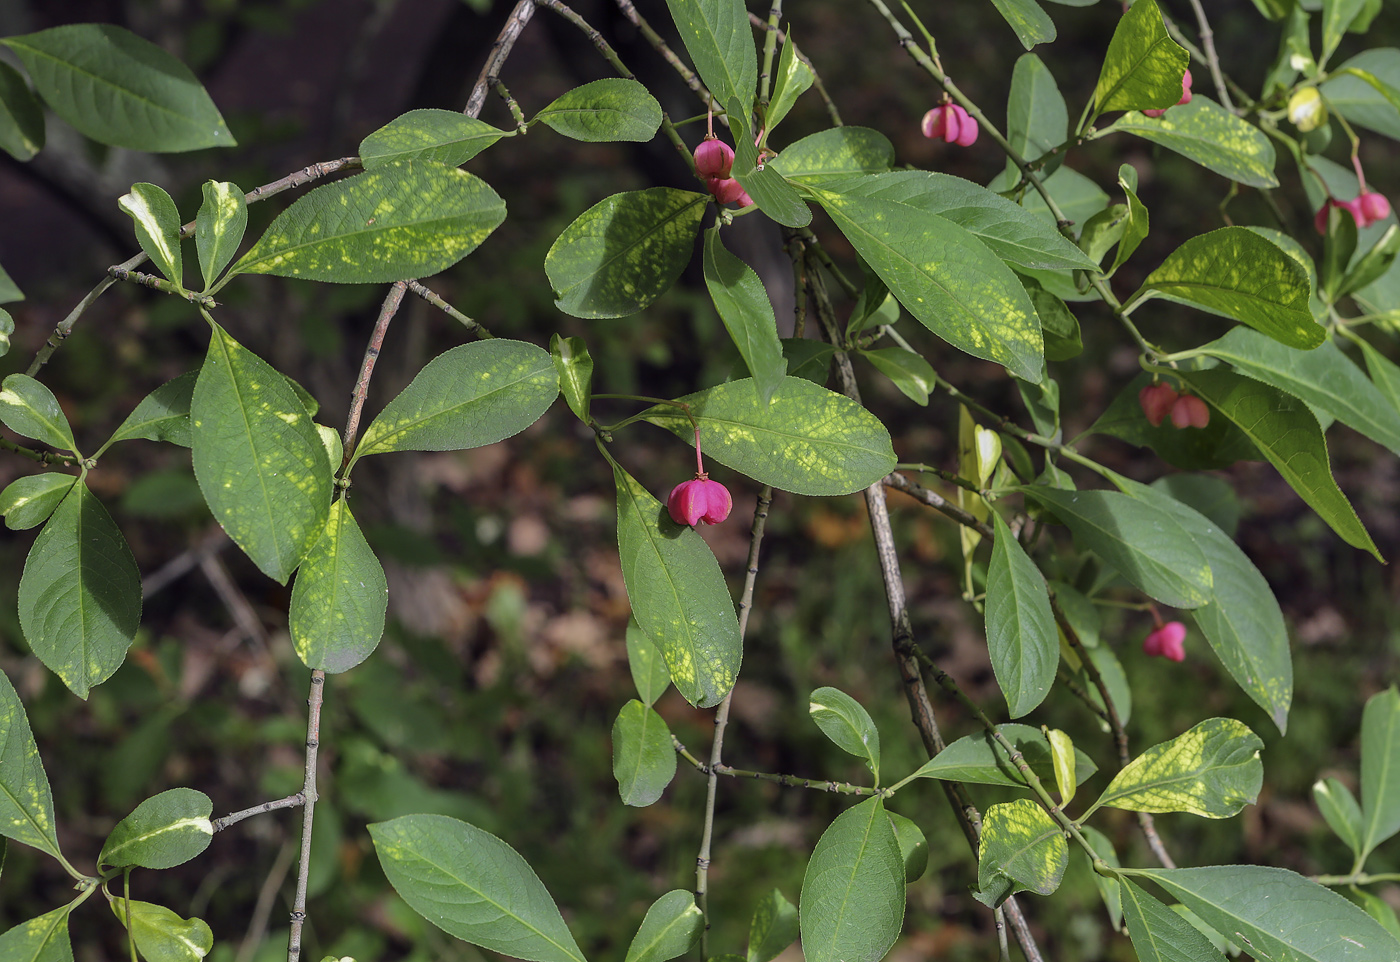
{"x": 714, "y": 159}
{"x": 1166, "y": 641}
{"x": 951, "y": 123}
{"x": 1186, "y": 410}
{"x": 1185, "y": 97}
{"x": 1367, "y": 208}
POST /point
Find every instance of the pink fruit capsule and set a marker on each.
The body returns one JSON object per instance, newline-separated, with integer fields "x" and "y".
{"x": 699, "y": 500}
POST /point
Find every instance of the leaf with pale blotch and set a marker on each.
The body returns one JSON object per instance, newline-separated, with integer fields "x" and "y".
{"x": 446, "y": 137}
{"x": 678, "y": 595}
{"x": 1021, "y": 848}
{"x": 1143, "y": 66}
{"x": 157, "y": 223}
{"x": 1337, "y": 16}
{"x": 161, "y": 935}
{"x": 1340, "y": 810}
{"x": 644, "y": 759}
{"x": 1380, "y": 769}
{"x": 717, "y": 35}
{"x": 773, "y": 928}
{"x": 1158, "y": 933}
{"x": 29, "y": 408}
{"x": 1280, "y": 914}
{"x": 1210, "y": 135}
{"x": 42, "y": 939}
{"x": 672, "y": 925}
{"x": 1032, "y": 24}
{"x": 27, "y": 502}
{"x": 21, "y": 116}
{"x": 471, "y": 395}
{"x": 162, "y": 415}
{"x": 1021, "y": 635}
{"x": 257, "y": 457}
{"x": 1283, "y": 429}
{"x": 624, "y": 252}
{"x": 120, "y": 89}
{"x": 1212, "y": 770}
{"x": 806, "y": 439}
{"x": 1237, "y": 273}
{"x": 743, "y": 305}
{"x": 981, "y": 760}
{"x": 603, "y": 111}
{"x": 852, "y": 903}
{"x": 219, "y": 227}
{"x": 1362, "y": 102}
{"x": 648, "y": 668}
{"x": 1062, "y": 753}
{"x": 26, "y": 802}
{"x": 340, "y": 597}
{"x": 474, "y": 886}
{"x": 165, "y": 830}
{"x": 945, "y": 277}
{"x": 849, "y": 726}
{"x": 80, "y": 594}
{"x": 835, "y": 153}
{"x": 403, "y": 220}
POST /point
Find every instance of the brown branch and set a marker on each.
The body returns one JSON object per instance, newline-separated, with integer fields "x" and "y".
{"x": 291, "y": 801}
{"x": 936, "y": 501}
{"x": 308, "y": 811}
{"x": 390, "y": 307}
{"x": 500, "y": 50}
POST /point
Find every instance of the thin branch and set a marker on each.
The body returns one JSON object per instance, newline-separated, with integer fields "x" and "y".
{"x": 1212, "y": 59}
{"x": 390, "y": 307}
{"x": 308, "y": 811}
{"x": 788, "y": 781}
{"x": 936, "y": 501}
{"x": 291, "y": 801}
{"x": 500, "y": 50}
{"x": 471, "y": 325}
{"x": 234, "y": 600}
{"x": 33, "y": 454}
{"x": 652, "y": 37}
{"x": 160, "y": 284}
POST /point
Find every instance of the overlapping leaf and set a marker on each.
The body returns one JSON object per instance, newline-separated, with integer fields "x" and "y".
{"x": 1210, "y": 135}
{"x": 1143, "y": 65}
{"x": 26, "y": 802}
{"x": 1022, "y": 638}
{"x": 852, "y": 902}
{"x": 1212, "y": 770}
{"x": 163, "y": 831}
{"x": 340, "y": 597}
{"x": 671, "y": 926}
{"x": 981, "y": 760}
{"x": 835, "y": 153}
{"x": 644, "y": 760}
{"x": 1021, "y": 848}
{"x": 717, "y": 35}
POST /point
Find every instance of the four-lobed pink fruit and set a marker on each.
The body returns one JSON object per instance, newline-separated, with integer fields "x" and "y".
{"x": 714, "y": 158}
{"x": 699, "y": 500}
{"x": 1366, "y": 209}
{"x": 951, "y": 123}
{"x": 1166, "y": 641}
{"x": 1157, "y": 401}
{"x": 1190, "y": 412}
{"x": 1185, "y": 96}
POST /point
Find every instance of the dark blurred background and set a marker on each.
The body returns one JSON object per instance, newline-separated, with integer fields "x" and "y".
{"x": 493, "y": 691}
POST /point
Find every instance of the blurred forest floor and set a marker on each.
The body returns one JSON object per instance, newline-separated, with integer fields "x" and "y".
{"x": 492, "y": 694}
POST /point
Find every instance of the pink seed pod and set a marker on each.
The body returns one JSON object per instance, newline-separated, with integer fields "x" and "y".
{"x": 1166, "y": 641}
{"x": 1190, "y": 412}
{"x": 727, "y": 190}
{"x": 950, "y": 123}
{"x": 699, "y": 500}
{"x": 1374, "y": 207}
{"x": 1156, "y": 401}
{"x": 714, "y": 158}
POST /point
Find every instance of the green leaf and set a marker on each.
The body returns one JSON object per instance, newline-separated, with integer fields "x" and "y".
{"x": 161, "y": 935}
{"x": 604, "y": 111}
{"x": 1361, "y": 101}
{"x": 165, "y": 830}
{"x": 1145, "y": 544}
{"x": 29, "y": 408}
{"x": 1380, "y": 910}
{"x": 644, "y": 760}
{"x": 945, "y": 277}
{"x": 1207, "y": 133}
{"x": 1012, "y": 232}
{"x": 42, "y": 939}
{"x": 8, "y": 294}
{"x": 678, "y": 595}
{"x": 405, "y": 219}
{"x": 474, "y": 886}
{"x": 671, "y": 926}
{"x": 1021, "y": 634}
{"x": 1036, "y": 117}
{"x": 7, "y": 323}
{"x": 648, "y": 667}
{"x": 1032, "y": 24}
{"x": 980, "y": 760}
{"x": 80, "y": 594}
{"x": 792, "y": 80}
{"x": 743, "y": 305}
{"x": 1337, "y": 15}
{"x": 1236, "y": 273}
{"x": 1079, "y": 611}
{"x": 1109, "y": 888}
{"x": 340, "y": 597}
{"x": 774, "y": 927}
{"x": 1021, "y": 848}
{"x": 1062, "y": 754}
{"x": 257, "y": 457}
{"x": 835, "y": 153}
{"x": 1104, "y": 230}
{"x": 717, "y": 35}
{"x": 1217, "y": 445}
{"x": 1143, "y": 66}
{"x": 1158, "y": 933}
{"x": 1339, "y": 809}
{"x": 1212, "y": 770}
{"x": 1287, "y": 434}
{"x": 1279, "y": 913}
{"x": 21, "y": 117}
{"x": 806, "y": 439}
{"x": 157, "y": 223}
{"x": 163, "y": 415}
{"x": 914, "y": 376}
{"x": 471, "y": 395}
{"x": 27, "y": 502}
{"x": 446, "y": 137}
{"x": 1114, "y": 679}
{"x": 807, "y": 359}
{"x": 1136, "y": 227}
{"x": 849, "y": 726}
{"x": 219, "y": 227}
{"x": 768, "y": 188}
{"x": 852, "y": 902}
{"x": 26, "y": 802}
{"x": 913, "y": 847}
{"x": 1078, "y": 198}
{"x": 1380, "y": 769}
{"x": 1058, "y": 325}
{"x": 624, "y": 252}
{"x": 1324, "y": 377}
{"x": 1242, "y": 621}
{"x": 119, "y": 89}
{"x": 574, "y": 365}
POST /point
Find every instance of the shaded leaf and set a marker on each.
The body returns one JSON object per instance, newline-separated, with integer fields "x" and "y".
{"x": 29, "y": 408}
{"x": 340, "y": 597}
{"x": 574, "y": 365}
{"x": 914, "y": 376}
{"x": 1339, "y": 809}
{"x": 791, "y": 81}
{"x": 1380, "y": 769}
{"x": 671, "y": 926}
{"x": 162, "y": 415}
{"x": 1036, "y": 117}
{"x": 717, "y": 35}
{"x": 160, "y": 934}
{"x": 913, "y": 847}
{"x": 644, "y": 760}
{"x": 835, "y": 153}
{"x": 157, "y": 223}
{"x": 21, "y": 117}
{"x": 1218, "y": 445}
{"x": 769, "y": 189}
{"x": 1031, "y": 23}
{"x": 26, "y": 802}
{"x": 1212, "y": 770}
{"x": 649, "y": 673}
{"x": 219, "y": 227}
{"x": 1158, "y": 933}
{"x": 42, "y": 939}
{"x": 1143, "y": 66}
{"x": 1021, "y": 634}
{"x": 743, "y": 305}
{"x": 774, "y": 927}
{"x": 852, "y": 902}
{"x": 1207, "y": 133}
{"x": 1109, "y": 888}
